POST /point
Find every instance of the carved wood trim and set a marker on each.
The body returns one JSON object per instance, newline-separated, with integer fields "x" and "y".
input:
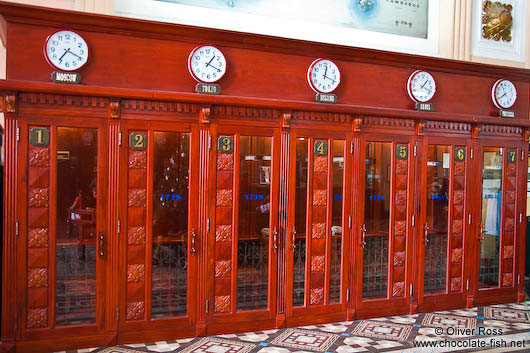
{"x": 502, "y": 130}
{"x": 389, "y": 122}
{"x": 63, "y": 100}
{"x": 322, "y": 116}
{"x": 137, "y": 105}
{"x": 420, "y": 127}
{"x": 114, "y": 109}
{"x": 286, "y": 120}
{"x": 357, "y": 124}
{"x": 10, "y": 105}
{"x": 204, "y": 115}
{"x": 526, "y": 135}
{"x": 475, "y": 131}
{"x": 248, "y": 112}
{"x": 447, "y": 125}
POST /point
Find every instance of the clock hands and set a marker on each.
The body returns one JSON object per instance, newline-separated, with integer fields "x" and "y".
{"x": 209, "y": 64}
{"x": 73, "y": 53}
{"x": 65, "y": 51}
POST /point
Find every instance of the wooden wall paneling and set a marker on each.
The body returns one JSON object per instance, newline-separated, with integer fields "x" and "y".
{"x": 509, "y": 218}
{"x": 137, "y": 228}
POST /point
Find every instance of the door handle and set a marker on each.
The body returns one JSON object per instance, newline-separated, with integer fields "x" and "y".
{"x": 293, "y": 240}
{"x": 481, "y": 233}
{"x": 101, "y": 244}
{"x": 275, "y": 239}
{"x": 426, "y": 234}
{"x": 193, "y": 241}
{"x": 363, "y": 236}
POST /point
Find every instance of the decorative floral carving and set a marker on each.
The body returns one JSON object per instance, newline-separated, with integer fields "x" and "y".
{"x": 38, "y": 238}
{"x": 319, "y": 231}
{"x": 114, "y": 109}
{"x": 401, "y": 197}
{"x": 460, "y": 168}
{"x": 223, "y": 233}
{"x": 286, "y": 120}
{"x": 508, "y": 224}
{"x": 357, "y": 124}
{"x": 400, "y": 227}
{"x": 401, "y": 167}
{"x": 136, "y": 235}
{"x": 510, "y": 197}
{"x": 225, "y": 161}
{"x": 224, "y": 198}
{"x": 222, "y": 269}
{"x": 458, "y": 197}
{"x": 205, "y": 115}
{"x": 456, "y": 284}
{"x": 137, "y": 197}
{"x": 317, "y": 264}
{"x": 508, "y": 252}
{"x": 507, "y": 279}
{"x": 39, "y": 156}
{"x": 38, "y": 277}
{"x": 38, "y": 197}
{"x": 135, "y": 273}
{"x": 420, "y": 127}
{"x": 398, "y": 289}
{"x": 497, "y": 21}
{"x": 135, "y": 310}
{"x": 137, "y": 159}
{"x": 319, "y": 197}
{"x": 457, "y": 226}
{"x": 222, "y": 304}
{"x": 321, "y": 164}
{"x": 399, "y": 258}
{"x": 10, "y": 106}
{"x": 37, "y": 318}
{"x": 456, "y": 255}
{"x": 317, "y": 296}
{"x": 511, "y": 169}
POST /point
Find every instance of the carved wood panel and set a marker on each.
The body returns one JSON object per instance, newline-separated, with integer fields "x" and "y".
{"x": 223, "y": 232}
{"x": 37, "y": 277}
{"x": 509, "y": 219}
{"x": 136, "y": 232}
{"x": 401, "y": 200}
{"x": 457, "y": 221}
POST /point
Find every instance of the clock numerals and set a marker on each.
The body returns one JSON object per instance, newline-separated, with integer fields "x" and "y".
{"x": 206, "y": 64}
{"x": 66, "y": 50}
{"x": 323, "y": 76}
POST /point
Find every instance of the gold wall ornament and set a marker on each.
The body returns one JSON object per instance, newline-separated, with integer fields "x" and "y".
{"x": 497, "y": 21}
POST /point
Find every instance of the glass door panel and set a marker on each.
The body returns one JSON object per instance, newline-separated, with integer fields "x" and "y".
{"x": 378, "y": 161}
{"x": 492, "y": 180}
{"x": 169, "y": 251}
{"x": 436, "y": 227}
{"x": 300, "y": 221}
{"x": 76, "y": 232}
{"x": 336, "y": 222}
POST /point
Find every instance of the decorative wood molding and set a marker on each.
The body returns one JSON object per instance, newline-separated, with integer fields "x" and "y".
{"x": 323, "y": 116}
{"x": 62, "y": 100}
{"x": 357, "y": 123}
{"x": 114, "y": 109}
{"x": 502, "y": 130}
{"x": 420, "y": 127}
{"x": 389, "y": 122}
{"x": 446, "y": 125}
{"x": 286, "y": 120}
{"x": 10, "y": 103}
{"x": 138, "y": 105}
{"x": 204, "y": 115}
{"x": 475, "y": 132}
{"x": 235, "y": 111}
{"x": 526, "y": 135}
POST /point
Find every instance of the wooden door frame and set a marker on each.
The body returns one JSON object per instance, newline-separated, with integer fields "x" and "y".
{"x": 159, "y": 328}
{"x": 385, "y": 306}
{"x": 245, "y": 320}
{"x": 53, "y": 336}
{"x": 324, "y": 312}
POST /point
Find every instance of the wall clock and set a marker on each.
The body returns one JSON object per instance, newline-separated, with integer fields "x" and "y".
{"x": 421, "y": 86}
{"x": 503, "y": 94}
{"x": 66, "y": 50}
{"x": 206, "y": 64}
{"x": 323, "y": 76}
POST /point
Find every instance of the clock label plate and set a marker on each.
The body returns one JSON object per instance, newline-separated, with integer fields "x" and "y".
{"x": 66, "y": 77}
{"x": 208, "y": 88}
{"x": 326, "y": 98}
{"x": 506, "y": 113}
{"x": 424, "y": 107}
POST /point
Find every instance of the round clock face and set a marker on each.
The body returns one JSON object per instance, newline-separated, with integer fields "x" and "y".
{"x": 206, "y": 64}
{"x": 421, "y": 86}
{"x": 503, "y": 94}
{"x": 323, "y": 76}
{"x": 66, "y": 50}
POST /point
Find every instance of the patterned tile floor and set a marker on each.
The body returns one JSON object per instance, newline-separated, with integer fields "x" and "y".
{"x": 497, "y": 324}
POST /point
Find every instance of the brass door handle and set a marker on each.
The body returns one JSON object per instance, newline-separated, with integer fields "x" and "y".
{"x": 481, "y": 233}
{"x": 363, "y": 235}
{"x": 193, "y": 242}
{"x": 101, "y": 244}
{"x": 426, "y": 234}
{"x": 293, "y": 241}
{"x": 275, "y": 239}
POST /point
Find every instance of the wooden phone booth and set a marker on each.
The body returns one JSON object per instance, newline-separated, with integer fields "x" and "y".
{"x": 146, "y": 204}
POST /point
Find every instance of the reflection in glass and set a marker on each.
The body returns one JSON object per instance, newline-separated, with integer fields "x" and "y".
{"x": 253, "y": 226}
{"x": 75, "y": 252}
{"x": 170, "y": 224}
{"x": 438, "y": 168}
{"x": 376, "y": 218}
{"x": 300, "y": 221}
{"x": 491, "y": 217}
{"x": 336, "y": 223}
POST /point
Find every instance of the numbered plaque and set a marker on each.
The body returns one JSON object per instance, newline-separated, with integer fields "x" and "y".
{"x": 402, "y": 152}
{"x": 321, "y": 148}
{"x": 138, "y": 141}
{"x": 225, "y": 144}
{"x": 39, "y": 136}
{"x": 460, "y": 154}
{"x": 512, "y": 156}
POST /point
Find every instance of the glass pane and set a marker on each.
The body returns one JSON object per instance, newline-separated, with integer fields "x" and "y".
{"x": 376, "y": 219}
{"x": 75, "y": 252}
{"x": 336, "y": 221}
{"x": 438, "y": 169}
{"x": 300, "y": 221}
{"x": 170, "y": 224}
{"x": 254, "y": 214}
{"x": 491, "y": 217}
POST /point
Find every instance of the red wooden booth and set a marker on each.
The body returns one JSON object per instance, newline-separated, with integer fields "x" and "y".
{"x": 137, "y": 209}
